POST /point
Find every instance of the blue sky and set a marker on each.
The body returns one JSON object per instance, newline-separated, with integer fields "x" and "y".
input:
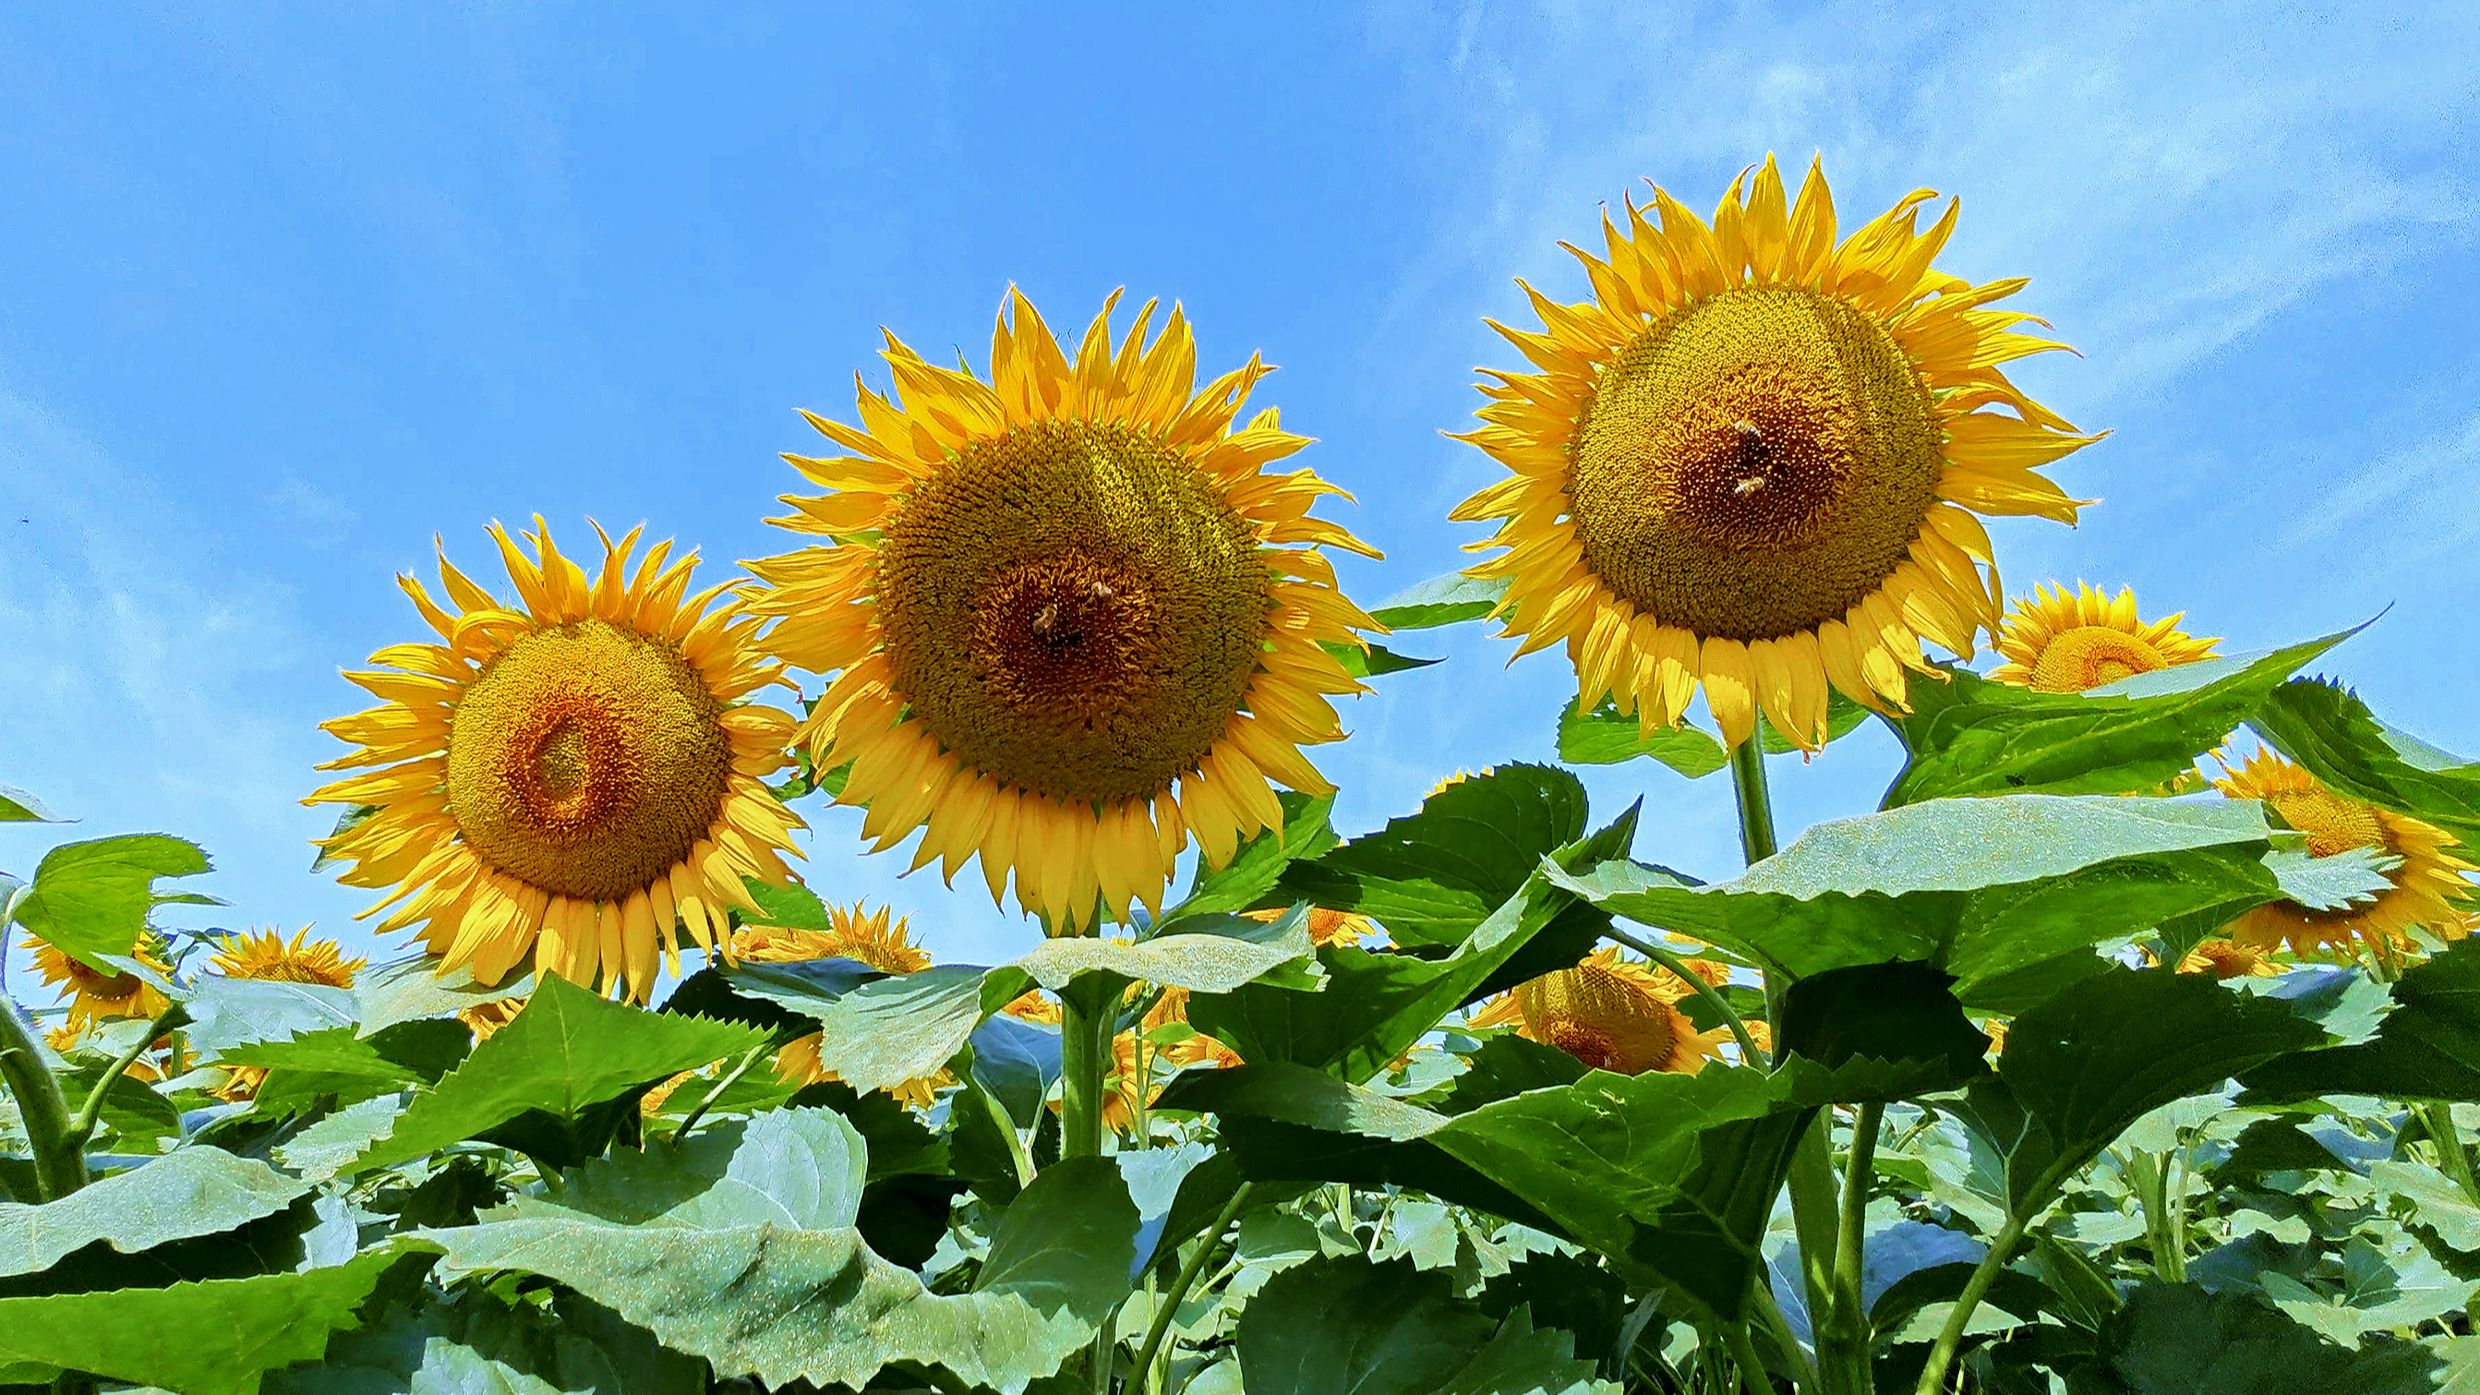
{"x": 288, "y": 290}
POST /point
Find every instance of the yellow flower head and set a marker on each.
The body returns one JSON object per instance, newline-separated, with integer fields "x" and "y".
{"x": 569, "y": 777}
{"x": 2060, "y": 643}
{"x": 1752, "y": 463}
{"x": 878, "y": 938}
{"x": 2427, "y": 890}
{"x": 65, "y": 1038}
{"x": 1611, "y": 1014}
{"x": 2228, "y": 959}
{"x": 96, "y": 996}
{"x": 486, "y": 1018}
{"x": 1075, "y": 622}
{"x": 265, "y": 954}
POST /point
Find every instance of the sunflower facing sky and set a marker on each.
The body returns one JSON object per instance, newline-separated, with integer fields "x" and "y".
{"x": 1752, "y": 463}
{"x": 1611, "y": 1014}
{"x": 95, "y": 996}
{"x": 2054, "y": 642}
{"x": 1074, "y": 622}
{"x": 2428, "y": 889}
{"x": 572, "y": 780}
{"x": 266, "y": 954}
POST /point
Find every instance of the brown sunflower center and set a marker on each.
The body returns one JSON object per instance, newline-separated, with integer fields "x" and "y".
{"x": 1754, "y": 464}
{"x": 2089, "y": 656}
{"x": 587, "y": 760}
{"x": 2333, "y": 824}
{"x": 93, "y": 983}
{"x": 1073, "y": 610}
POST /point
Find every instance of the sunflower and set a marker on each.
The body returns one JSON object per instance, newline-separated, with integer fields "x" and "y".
{"x": 2427, "y": 889}
{"x": 881, "y": 940}
{"x": 265, "y": 954}
{"x": 571, "y": 780}
{"x": 96, "y": 995}
{"x": 1611, "y": 1014}
{"x": 1074, "y": 621}
{"x": 484, "y": 1019}
{"x": 2054, "y": 642}
{"x": 2228, "y": 959}
{"x": 1752, "y": 463}
{"x": 66, "y": 1037}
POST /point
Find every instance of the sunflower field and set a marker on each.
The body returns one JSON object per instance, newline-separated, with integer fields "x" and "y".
{"x": 2131, "y": 1046}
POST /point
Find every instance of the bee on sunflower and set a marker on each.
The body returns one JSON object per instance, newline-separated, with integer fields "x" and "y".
{"x": 1754, "y": 464}
{"x": 571, "y": 777}
{"x": 1072, "y": 620}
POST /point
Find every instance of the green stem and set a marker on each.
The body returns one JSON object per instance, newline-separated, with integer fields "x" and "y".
{"x": 1950, "y": 1336}
{"x": 1849, "y": 1318}
{"x": 1752, "y": 1376}
{"x": 1087, "y": 1018}
{"x": 1803, "y": 1371}
{"x": 2436, "y": 1116}
{"x": 739, "y": 1068}
{"x": 82, "y": 1124}
{"x": 1812, "y": 1168}
{"x": 1186, "y": 1279}
{"x": 1670, "y": 960}
{"x": 59, "y": 1160}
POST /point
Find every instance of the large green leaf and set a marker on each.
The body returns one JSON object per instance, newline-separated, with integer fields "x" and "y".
{"x": 476, "y": 1344}
{"x": 402, "y": 990}
{"x": 229, "y": 1012}
{"x": 1343, "y": 1323}
{"x": 1376, "y": 1004}
{"x": 91, "y": 899}
{"x": 210, "y": 1338}
{"x": 334, "y": 1066}
{"x": 1603, "y": 736}
{"x": 783, "y": 1303}
{"x": 2078, "y": 1069}
{"x": 188, "y": 1192}
{"x": 2181, "y": 1340}
{"x": 1973, "y": 736}
{"x": 1431, "y": 877}
{"x": 568, "y": 1050}
{"x": 2428, "y": 1047}
{"x": 906, "y": 1026}
{"x": 1441, "y": 600}
{"x": 1252, "y": 872}
{"x": 2327, "y": 729}
{"x": 2008, "y": 894}
{"x": 801, "y": 1169}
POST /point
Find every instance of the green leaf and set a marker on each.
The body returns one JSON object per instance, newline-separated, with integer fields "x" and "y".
{"x": 1370, "y": 658}
{"x": 1970, "y": 735}
{"x": 2181, "y": 1340}
{"x": 188, "y": 1192}
{"x": 1252, "y": 872}
{"x": 1376, "y": 1004}
{"x": 1344, "y": 1323}
{"x": 798, "y": 1168}
{"x": 335, "y": 1066}
{"x": 476, "y": 1344}
{"x": 1604, "y": 737}
{"x": 228, "y": 1012}
{"x": 1431, "y": 877}
{"x": 210, "y": 1338}
{"x": 2083, "y": 1066}
{"x": 405, "y": 989}
{"x": 2427, "y": 1048}
{"x": 568, "y": 1050}
{"x": 2008, "y": 894}
{"x": 786, "y": 1304}
{"x": 17, "y": 806}
{"x": 91, "y": 899}
{"x": 906, "y": 1026}
{"x": 2328, "y": 730}
{"x": 1441, "y": 600}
